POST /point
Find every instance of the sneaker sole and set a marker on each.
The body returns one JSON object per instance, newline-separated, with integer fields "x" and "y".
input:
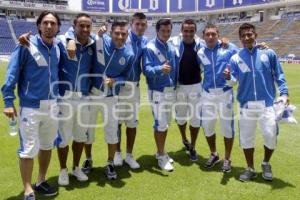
{"x": 194, "y": 160}
{"x": 208, "y": 167}
{"x": 246, "y": 180}
{"x": 80, "y": 180}
{"x": 86, "y": 171}
{"x": 132, "y": 167}
{"x": 266, "y": 178}
{"x": 50, "y": 195}
{"x": 63, "y": 184}
{"x": 111, "y": 177}
{"x": 226, "y": 171}
{"x": 45, "y": 195}
{"x": 118, "y": 165}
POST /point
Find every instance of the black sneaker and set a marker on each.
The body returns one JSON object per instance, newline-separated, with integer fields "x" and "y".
{"x": 30, "y": 196}
{"x": 213, "y": 159}
{"x": 186, "y": 144}
{"x": 110, "y": 172}
{"x": 45, "y": 189}
{"x": 193, "y": 154}
{"x": 267, "y": 172}
{"x": 87, "y": 166}
{"x": 247, "y": 175}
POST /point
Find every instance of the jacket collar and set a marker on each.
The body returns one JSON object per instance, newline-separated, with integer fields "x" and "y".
{"x": 37, "y": 39}
{"x": 160, "y": 43}
{"x": 134, "y": 37}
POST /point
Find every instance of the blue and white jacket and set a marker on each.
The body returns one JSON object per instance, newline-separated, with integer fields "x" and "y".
{"x": 111, "y": 62}
{"x": 75, "y": 71}
{"x": 137, "y": 45}
{"x": 35, "y": 71}
{"x": 213, "y": 62}
{"x": 256, "y": 71}
{"x": 155, "y": 55}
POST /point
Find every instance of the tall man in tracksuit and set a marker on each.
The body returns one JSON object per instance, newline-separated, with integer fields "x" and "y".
{"x": 35, "y": 70}
{"x": 114, "y": 61}
{"x": 160, "y": 69}
{"x": 74, "y": 91}
{"x": 129, "y": 97}
{"x": 256, "y": 70}
{"x": 189, "y": 87}
{"x": 217, "y": 96}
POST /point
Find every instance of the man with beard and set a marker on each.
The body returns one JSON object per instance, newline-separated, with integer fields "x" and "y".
{"x": 35, "y": 70}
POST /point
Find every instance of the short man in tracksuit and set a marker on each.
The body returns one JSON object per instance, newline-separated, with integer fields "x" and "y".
{"x": 160, "y": 69}
{"x": 189, "y": 87}
{"x": 129, "y": 96}
{"x": 74, "y": 91}
{"x": 256, "y": 70}
{"x": 217, "y": 97}
{"x": 114, "y": 61}
{"x": 35, "y": 70}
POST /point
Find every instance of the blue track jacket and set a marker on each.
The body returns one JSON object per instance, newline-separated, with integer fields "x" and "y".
{"x": 34, "y": 69}
{"x": 155, "y": 55}
{"x": 256, "y": 71}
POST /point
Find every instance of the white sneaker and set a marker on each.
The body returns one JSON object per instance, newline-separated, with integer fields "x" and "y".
{"x": 78, "y": 173}
{"x": 164, "y": 163}
{"x": 170, "y": 159}
{"x": 133, "y": 164}
{"x": 63, "y": 178}
{"x": 118, "y": 160}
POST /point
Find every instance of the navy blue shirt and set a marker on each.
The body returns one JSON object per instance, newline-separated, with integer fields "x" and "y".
{"x": 189, "y": 69}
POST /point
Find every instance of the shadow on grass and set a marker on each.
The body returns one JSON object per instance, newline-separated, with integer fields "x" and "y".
{"x": 276, "y": 183}
{"x": 182, "y": 158}
{"x": 149, "y": 163}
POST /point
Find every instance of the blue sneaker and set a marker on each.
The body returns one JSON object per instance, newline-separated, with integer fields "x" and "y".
{"x": 87, "y": 166}
{"x": 30, "y": 196}
{"x": 193, "y": 154}
{"x": 110, "y": 172}
{"x": 186, "y": 144}
{"x": 213, "y": 159}
{"x": 45, "y": 189}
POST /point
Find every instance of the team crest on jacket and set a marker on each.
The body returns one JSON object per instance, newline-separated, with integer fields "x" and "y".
{"x": 90, "y": 51}
{"x": 264, "y": 58}
{"x": 37, "y": 56}
{"x": 122, "y": 61}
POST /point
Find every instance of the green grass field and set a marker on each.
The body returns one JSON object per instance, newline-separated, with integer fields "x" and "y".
{"x": 190, "y": 180}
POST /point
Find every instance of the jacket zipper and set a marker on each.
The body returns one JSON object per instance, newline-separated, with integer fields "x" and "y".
{"x": 78, "y": 68}
{"x": 213, "y": 67}
{"x": 253, "y": 75}
{"x": 27, "y": 88}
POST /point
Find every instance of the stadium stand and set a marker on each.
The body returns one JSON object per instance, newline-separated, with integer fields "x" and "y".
{"x": 7, "y": 44}
{"x": 280, "y": 32}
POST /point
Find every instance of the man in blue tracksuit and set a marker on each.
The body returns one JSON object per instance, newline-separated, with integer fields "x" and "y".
{"x": 74, "y": 90}
{"x": 160, "y": 69}
{"x": 189, "y": 87}
{"x": 35, "y": 71}
{"x": 217, "y": 97}
{"x": 129, "y": 97}
{"x": 74, "y": 85}
{"x": 256, "y": 70}
{"x": 114, "y": 61}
